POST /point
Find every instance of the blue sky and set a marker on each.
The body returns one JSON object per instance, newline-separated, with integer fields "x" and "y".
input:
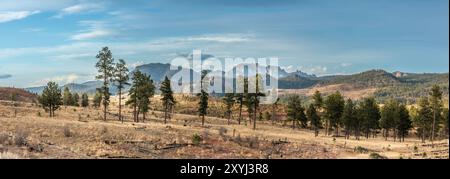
{"x": 50, "y": 40}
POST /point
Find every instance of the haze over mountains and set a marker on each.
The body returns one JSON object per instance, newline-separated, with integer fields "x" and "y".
{"x": 380, "y": 83}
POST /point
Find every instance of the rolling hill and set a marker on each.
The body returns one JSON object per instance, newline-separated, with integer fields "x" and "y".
{"x": 378, "y": 83}
{"x": 16, "y": 94}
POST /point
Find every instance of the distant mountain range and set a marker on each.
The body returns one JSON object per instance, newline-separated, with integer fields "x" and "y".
{"x": 396, "y": 84}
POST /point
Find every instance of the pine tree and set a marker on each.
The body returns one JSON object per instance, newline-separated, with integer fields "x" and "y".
{"x": 446, "y": 122}
{"x": 436, "y": 107}
{"x": 96, "y": 102}
{"x": 203, "y": 97}
{"x": 67, "y": 97}
{"x": 318, "y": 100}
{"x": 314, "y": 119}
{"x": 369, "y": 114}
{"x": 251, "y": 99}
{"x": 133, "y": 93}
{"x": 105, "y": 66}
{"x": 167, "y": 98}
{"x": 76, "y": 100}
{"x": 390, "y": 117}
{"x": 424, "y": 119}
{"x": 229, "y": 103}
{"x": 146, "y": 92}
{"x": 296, "y": 112}
{"x": 404, "y": 123}
{"x": 349, "y": 118}
{"x": 274, "y": 110}
{"x": 120, "y": 81}
{"x": 334, "y": 106}
{"x": 240, "y": 98}
{"x": 84, "y": 100}
{"x": 142, "y": 89}
{"x": 51, "y": 98}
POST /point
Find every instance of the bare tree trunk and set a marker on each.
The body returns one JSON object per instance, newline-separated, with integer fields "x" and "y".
{"x": 135, "y": 111}
{"x": 273, "y": 114}
{"x": 104, "y": 112}
{"x": 203, "y": 120}
{"x": 143, "y": 115}
{"x": 432, "y": 130}
{"x": 137, "y": 116}
{"x": 240, "y": 113}
{"x": 254, "y": 116}
{"x": 120, "y": 105}
{"x": 165, "y": 113}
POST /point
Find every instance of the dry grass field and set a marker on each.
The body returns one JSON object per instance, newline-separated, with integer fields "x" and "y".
{"x": 27, "y": 132}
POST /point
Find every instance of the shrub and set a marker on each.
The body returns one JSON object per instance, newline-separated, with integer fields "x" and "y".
{"x": 222, "y": 131}
{"x": 67, "y": 132}
{"x": 104, "y": 130}
{"x": 376, "y": 156}
{"x": 21, "y": 136}
{"x": 253, "y": 142}
{"x": 360, "y": 149}
{"x": 196, "y": 139}
{"x": 416, "y": 149}
{"x": 4, "y": 138}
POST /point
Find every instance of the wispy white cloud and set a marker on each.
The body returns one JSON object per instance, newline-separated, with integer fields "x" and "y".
{"x": 316, "y": 70}
{"x": 64, "y": 79}
{"x": 15, "y": 15}
{"x": 79, "y": 8}
{"x": 346, "y": 64}
{"x": 225, "y": 38}
{"x": 95, "y": 29}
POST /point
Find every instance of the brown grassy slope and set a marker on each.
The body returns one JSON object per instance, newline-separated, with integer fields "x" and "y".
{"x": 21, "y": 95}
{"x": 79, "y": 133}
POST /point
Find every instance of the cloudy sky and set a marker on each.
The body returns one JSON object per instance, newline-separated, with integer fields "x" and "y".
{"x": 57, "y": 40}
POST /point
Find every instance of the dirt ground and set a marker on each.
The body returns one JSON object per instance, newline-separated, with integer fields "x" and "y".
{"x": 27, "y": 132}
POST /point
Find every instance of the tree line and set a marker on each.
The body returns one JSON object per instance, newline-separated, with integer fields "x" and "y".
{"x": 142, "y": 89}
{"x": 332, "y": 113}
{"x": 368, "y": 118}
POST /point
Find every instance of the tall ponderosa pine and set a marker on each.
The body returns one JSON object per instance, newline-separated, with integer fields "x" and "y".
{"x": 141, "y": 91}
{"x": 252, "y": 98}
{"x": 436, "y": 107}
{"x": 390, "y": 117}
{"x": 404, "y": 124}
{"x": 424, "y": 119}
{"x": 105, "y": 66}
{"x": 133, "y": 93}
{"x": 334, "y": 106}
{"x": 317, "y": 100}
{"x": 146, "y": 92}
{"x": 229, "y": 103}
{"x": 296, "y": 112}
{"x": 314, "y": 119}
{"x": 84, "y": 100}
{"x": 446, "y": 122}
{"x": 241, "y": 97}
{"x": 121, "y": 81}
{"x": 349, "y": 118}
{"x": 67, "y": 97}
{"x": 51, "y": 98}
{"x": 369, "y": 114}
{"x": 97, "y": 100}
{"x": 203, "y": 97}
{"x": 167, "y": 98}
{"x": 76, "y": 99}
{"x": 274, "y": 110}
